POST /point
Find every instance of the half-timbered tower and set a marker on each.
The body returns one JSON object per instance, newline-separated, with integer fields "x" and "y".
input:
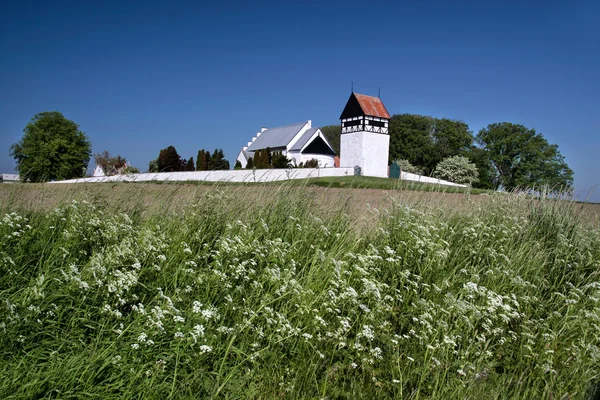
{"x": 365, "y": 141}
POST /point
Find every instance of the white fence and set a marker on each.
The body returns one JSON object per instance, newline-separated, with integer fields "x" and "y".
{"x": 246, "y": 175}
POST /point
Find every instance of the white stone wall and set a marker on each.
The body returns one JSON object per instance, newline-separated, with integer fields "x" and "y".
{"x": 240, "y": 175}
{"x": 244, "y": 175}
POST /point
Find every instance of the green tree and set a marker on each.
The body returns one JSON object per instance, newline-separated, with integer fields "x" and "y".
{"x": 218, "y": 161}
{"x": 237, "y": 165}
{"x": 333, "y": 134}
{"x": 411, "y": 140}
{"x": 52, "y": 148}
{"x": 153, "y": 165}
{"x": 457, "y": 169}
{"x": 169, "y": 160}
{"x": 424, "y": 141}
{"x": 278, "y": 160}
{"x": 523, "y": 158}
{"x": 450, "y": 137}
{"x": 485, "y": 170}
{"x": 262, "y": 158}
{"x": 189, "y": 166}
{"x": 201, "y": 161}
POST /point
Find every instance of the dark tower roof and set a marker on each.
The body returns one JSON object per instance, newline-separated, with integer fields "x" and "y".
{"x": 360, "y": 104}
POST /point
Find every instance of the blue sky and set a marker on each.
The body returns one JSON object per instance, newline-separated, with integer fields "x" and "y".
{"x": 140, "y": 76}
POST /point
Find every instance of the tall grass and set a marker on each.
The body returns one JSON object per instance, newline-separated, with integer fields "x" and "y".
{"x": 289, "y": 299}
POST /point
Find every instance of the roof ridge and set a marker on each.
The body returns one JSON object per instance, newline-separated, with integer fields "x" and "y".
{"x": 286, "y": 126}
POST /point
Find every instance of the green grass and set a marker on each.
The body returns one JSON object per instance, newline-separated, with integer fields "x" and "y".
{"x": 367, "y": 182}
{"x": 356, "y": 182}
{"x": 287, "y": 299}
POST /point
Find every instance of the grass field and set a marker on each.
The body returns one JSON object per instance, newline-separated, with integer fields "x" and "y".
{"x": 279, "y": 291}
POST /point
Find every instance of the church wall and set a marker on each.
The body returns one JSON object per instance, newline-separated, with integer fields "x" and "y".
{"x": 375, "y": 154}
{"x": 325, "y": 161}
{"x": 351, "y": 147}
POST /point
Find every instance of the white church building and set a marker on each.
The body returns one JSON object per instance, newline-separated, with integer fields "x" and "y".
{"x": 364, "y": 141}
{"x": 299, "y": 142}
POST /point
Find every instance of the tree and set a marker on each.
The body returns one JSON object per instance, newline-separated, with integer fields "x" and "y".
{"x": 169, "y": 160}
{"x": 523, "y": 158}
{"x": 153, "y": 165}
{"x": 262, "y": 158}
{"x": 456, "y": 169}
{"x": 333, "y": 134}
{"x": 52, "y": 148}
{"x": 424, "y": 141}
{"x": 110, "y": 165}
{"x": 250, "y": 164}
{"x": 203, "y": 160}
{"x": 411, "y": 140}
{"x": 278, "y": 160}
{"x": 450, "y": 137}
{"x": 218, "y": 161}
{"x": 189, "y": 166}
{"x": 237, "y": 165}
{"x": 485, "y": 170}
{"x": 200, "y": 161}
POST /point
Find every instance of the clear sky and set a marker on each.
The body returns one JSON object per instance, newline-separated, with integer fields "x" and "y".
{"x": 140, "y": 76}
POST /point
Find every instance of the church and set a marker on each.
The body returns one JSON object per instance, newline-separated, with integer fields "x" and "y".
{"x": 364, "y": 141}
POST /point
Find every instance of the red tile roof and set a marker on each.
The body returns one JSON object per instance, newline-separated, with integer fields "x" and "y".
{"x": 372, "y": 106}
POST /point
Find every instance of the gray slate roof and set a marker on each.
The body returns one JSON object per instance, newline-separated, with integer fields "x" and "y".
{"x": 303, "y": 139}
{"x": 276, "y": 137}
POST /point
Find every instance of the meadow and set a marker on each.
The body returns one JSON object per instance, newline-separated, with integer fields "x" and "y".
{"x": 183, "y": 291}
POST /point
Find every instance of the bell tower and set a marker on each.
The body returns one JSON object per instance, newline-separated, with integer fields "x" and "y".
{"x": 365, "y": 141}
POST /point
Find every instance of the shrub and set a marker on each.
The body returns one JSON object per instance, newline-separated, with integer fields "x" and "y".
{"x": 457, "y": 169}
{"x": 131, "y": 170}
{"x": 312, "y": 163}
{"x": 406, "y": 166}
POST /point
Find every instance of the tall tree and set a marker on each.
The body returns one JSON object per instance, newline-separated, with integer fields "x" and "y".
{"x": 153, "y": 165}
{"x": 425, "y": 141}
{"x": 450, "y": 137}
{"x": 485, "y": 169}
{"x": 190, "y": 165}
{"x": 218, "y": 161}
{"x": 200, "y": 158}
{"x": 333, "y": 134}
{"x": 411, "y": 139}
{"x": 52, "y": 147}
{"x": 169, "y": 160}
{"x": 524, "y": 158}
